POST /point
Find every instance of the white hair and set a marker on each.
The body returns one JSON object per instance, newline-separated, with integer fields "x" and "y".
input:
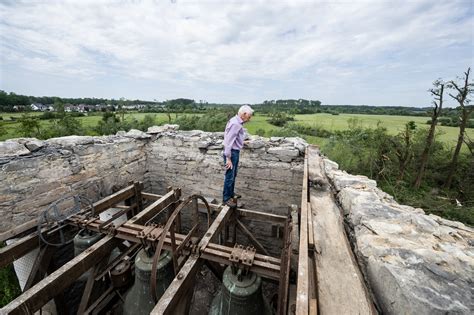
{"x": 245, "y": 109}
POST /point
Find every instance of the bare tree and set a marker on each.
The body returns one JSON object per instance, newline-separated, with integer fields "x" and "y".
{"x": 403, "y": 148}
{"x": 437, "y": 91}
{"x": 464, "y": 89}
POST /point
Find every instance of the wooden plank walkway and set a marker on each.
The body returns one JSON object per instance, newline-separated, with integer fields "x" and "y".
{"x": 341, "y": 288}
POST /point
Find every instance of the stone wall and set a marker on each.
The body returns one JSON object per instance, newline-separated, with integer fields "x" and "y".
{"x": 34, "y": 173}
{"x": 269, "y": 175}
{"x": 414, "y": 263}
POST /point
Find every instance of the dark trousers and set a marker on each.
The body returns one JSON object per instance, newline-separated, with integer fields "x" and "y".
{"x": 230, "y": 175}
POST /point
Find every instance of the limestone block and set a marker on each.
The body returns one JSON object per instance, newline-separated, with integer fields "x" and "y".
{"x": 12, "y": 148}
{"x": 297, "y": 143}
{"x": 342, "y": 179}
{"x": 34, "y": 144}
{"x": 255, "y": 144}
{"x": 137, "y": 134}
{"x": 330, "y": 166}
{"x": 418, "y": 288}
{"x": 160, "y": 129}
{"x": 284, "y": 154}
{"x": 71, "y": 141}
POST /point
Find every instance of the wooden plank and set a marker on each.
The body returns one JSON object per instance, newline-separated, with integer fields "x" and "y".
{"x": 185, "y": 277}
{"x": 337, "y": 272}
{"x": 285, "y": 271}
{"x": 310, "y": 228}
{"x": 302, "y": 298}
{"x": 38, "y": 295}
{"x": 295, "y": 239}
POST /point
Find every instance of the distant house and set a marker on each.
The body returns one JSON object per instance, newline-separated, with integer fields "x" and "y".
{"x": 39, "y": 107}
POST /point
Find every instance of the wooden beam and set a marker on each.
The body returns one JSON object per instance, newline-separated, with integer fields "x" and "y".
{"x": 302, "y": 290}
{"x": 18, "y": 249}
{"x": 38, "y": 295}
{"x": 18, "y": 230}
{"x": 185, "y": 276}
{"x": 283, "y": 289}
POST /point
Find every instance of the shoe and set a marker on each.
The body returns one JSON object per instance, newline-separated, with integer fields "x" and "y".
{"x": 230, "y": 203}
{"x": 237, "y": 196}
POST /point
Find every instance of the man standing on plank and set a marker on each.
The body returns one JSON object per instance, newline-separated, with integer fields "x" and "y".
{"x": 233, "y": 142}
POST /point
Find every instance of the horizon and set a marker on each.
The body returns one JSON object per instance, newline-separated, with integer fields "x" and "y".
{"x": 373, "y": 53}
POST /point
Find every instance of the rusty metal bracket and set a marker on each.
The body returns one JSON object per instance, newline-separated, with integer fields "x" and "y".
{"x": 242, "y": 259}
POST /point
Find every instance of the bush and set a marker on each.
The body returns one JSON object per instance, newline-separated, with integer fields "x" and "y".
{"x": 279, "y": 119}
{"x": 260, "y": 132}
{"x": 209, "y": 122}
{"x": 316, "y": 131}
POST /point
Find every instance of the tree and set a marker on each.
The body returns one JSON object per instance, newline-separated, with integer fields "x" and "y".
{"x": 437, "y": 91}
{"x": 403, "y": 148}
{"x": 463, "y": 91}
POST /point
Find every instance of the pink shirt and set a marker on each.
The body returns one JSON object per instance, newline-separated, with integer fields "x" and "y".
{"x": 234, "y": 135}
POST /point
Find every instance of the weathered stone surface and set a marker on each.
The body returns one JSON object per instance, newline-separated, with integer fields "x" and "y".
{"x": 255, "y": 144}
{"x": 414, "y": 263}
{"x": 12, "y": 148}
{"x": 283, "y": 154}
{"x": 160, "y": 129}
{"x": 137, "y": 134}
{"x": 34, "y": 144}
{"x": 341, "y": 180}
{"x": 71, "y": 141}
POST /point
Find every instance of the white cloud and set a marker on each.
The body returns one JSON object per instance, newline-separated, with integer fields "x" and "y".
{"x": 230, "y": 42}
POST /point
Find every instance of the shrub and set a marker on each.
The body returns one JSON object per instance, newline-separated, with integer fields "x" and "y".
{"x": 260, "y": 132}
{"x": 279, "y": 119}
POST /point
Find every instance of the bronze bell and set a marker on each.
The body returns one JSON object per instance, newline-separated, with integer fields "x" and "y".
{"x": 138, "y": 299}
{"x": 241, "y": 294}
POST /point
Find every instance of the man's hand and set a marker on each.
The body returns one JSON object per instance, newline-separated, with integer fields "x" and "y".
{"x": 228, "y": 164}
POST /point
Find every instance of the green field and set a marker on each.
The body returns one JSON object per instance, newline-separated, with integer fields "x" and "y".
{"x": 394, "y": 124}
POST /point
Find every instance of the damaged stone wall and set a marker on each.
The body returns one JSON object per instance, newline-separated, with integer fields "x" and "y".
{"x": 414, "y": 263}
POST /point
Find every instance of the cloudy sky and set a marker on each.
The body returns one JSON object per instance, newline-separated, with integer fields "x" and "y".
{"x": 381, "y": 52}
